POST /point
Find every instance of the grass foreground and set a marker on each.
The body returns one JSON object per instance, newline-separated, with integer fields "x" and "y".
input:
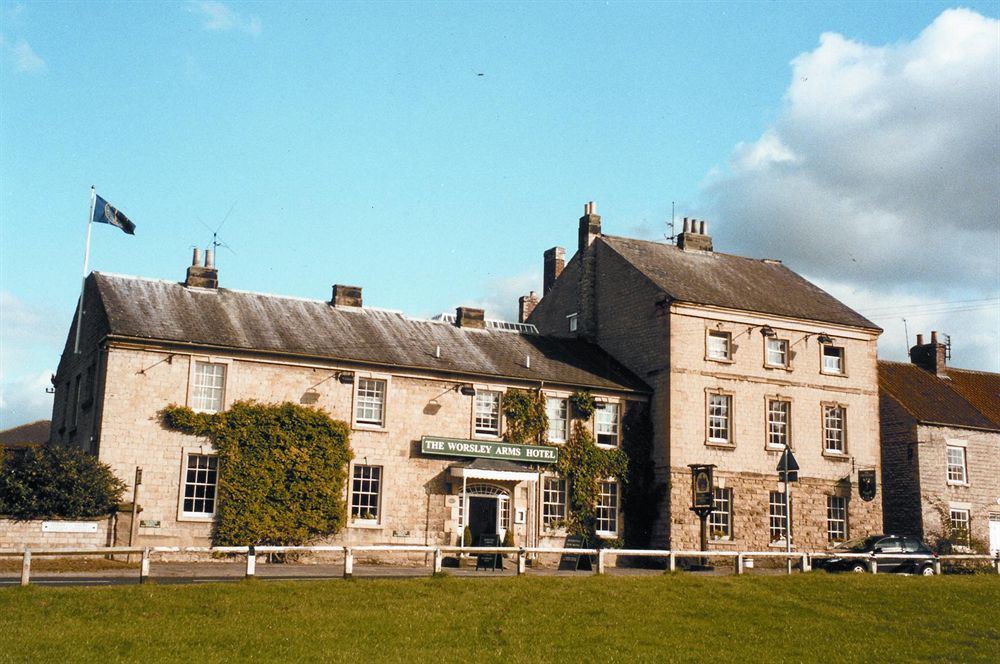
{"x": 674, "y": 617}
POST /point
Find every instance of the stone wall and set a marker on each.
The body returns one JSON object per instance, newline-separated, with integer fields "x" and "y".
{"x": 900, "y": 470}
{"x": 20, "y": 534}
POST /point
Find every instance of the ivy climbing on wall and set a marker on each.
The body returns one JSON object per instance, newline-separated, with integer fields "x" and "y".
{"x": 524, "y": 412}
{"x": 282, "y": 470}
{"x": 585, "y": 466}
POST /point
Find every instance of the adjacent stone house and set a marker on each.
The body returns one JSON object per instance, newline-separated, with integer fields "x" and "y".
{"x": 744, "y": 357}
{"x": 940, "y": 449}
{"x": 423, "y": 399}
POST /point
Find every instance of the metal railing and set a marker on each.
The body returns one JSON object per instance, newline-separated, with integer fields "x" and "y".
{"x": 740, "y": 558}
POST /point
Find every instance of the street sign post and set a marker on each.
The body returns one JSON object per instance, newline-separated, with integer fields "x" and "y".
{"x": 788, "y": 471}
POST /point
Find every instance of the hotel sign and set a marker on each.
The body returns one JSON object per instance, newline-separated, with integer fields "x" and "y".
{"x": 480, "y": 449}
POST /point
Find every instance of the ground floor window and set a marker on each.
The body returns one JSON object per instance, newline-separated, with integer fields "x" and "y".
{"x": 836, "y": 518}
{"x": 961, "y": 534}
{"x": 777, "y": 515}
{"x": 553, "y": 502}
{"x": 366, "y": 492}
{"x": 201, "y": 479}
{"x": 720, "y": 520}
{"x": 607, "y": 509}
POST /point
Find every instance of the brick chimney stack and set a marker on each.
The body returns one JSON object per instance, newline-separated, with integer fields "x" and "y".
{"x": 470, "y": 318}
{"x": 554, "y": 262}
{"x": 202, "y": 276}
{"x": 930, "y": 357}
{"x": 695, "y": 236}
{"x": 525, "y": 305}
{"x": 590, "y": 226}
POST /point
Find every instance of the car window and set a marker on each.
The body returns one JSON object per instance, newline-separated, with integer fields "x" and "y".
{"x": 913, "y": 545}
{"x": 890, "y": 545}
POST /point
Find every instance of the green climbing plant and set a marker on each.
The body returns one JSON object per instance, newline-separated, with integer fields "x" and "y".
{"x": 524, "y": 412}
{"x": 585, "y": 466}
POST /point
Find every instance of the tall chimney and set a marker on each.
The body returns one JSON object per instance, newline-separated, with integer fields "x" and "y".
{"x": 554, "y": 262}
{"x": 695, "y": 236}
{"x": 525, "y": 305}
{"x": 471, "y": 318}
{"x": 930, "y": 357}
{"x": 590, "y": 226}
{"x": 202, "y": 276}
{"x": 346, "y": 296}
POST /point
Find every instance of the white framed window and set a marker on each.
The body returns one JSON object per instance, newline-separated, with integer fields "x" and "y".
{"x": 720, "y": 519}
{"x": 558, "y": 411}
{"x": 836, "y": 518}
{"x": 366, "y": 493}
{"x": 777, "y": 512}
{"x": 607, "y": 509}
{"x": 776, "y": 353}
{"x": 835, "y": 429}
{"x": 369, "y": 406}
{"x": 833, "y": 359}
{"x": 719, "y": 418}
{"x": 208, "y": 387}
{"x": 607, "y": 424}
{"x": 779, "y": 423}
{"x": 201, "y": 481}
{"x": 961, "y": 533}
{"x": 572, "y": 322}
{"x": 553, "y": 502}
{"x": 719, "y": 345}
{"x": 487, "y": 413}
{"x": 957, "y": 470}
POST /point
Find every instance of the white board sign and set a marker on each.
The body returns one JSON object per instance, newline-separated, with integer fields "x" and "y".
{"x": 69, "y": 527}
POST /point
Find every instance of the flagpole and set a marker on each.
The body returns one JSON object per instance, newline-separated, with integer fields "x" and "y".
{"x": 86, "y": 258}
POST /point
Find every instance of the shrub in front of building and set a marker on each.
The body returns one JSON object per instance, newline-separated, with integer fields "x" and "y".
{"x": 282, "y": 471}
{"x": 55, "y": 482}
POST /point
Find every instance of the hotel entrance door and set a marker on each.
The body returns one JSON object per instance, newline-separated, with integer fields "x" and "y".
{"x": 482, "y": 517}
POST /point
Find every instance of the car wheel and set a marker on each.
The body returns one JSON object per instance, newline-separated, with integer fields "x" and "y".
{"x": 927, "y": 571}
{"x": 859, "y": 568}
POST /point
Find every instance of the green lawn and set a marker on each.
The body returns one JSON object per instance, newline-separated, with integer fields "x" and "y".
{"x": 799, "y": 618}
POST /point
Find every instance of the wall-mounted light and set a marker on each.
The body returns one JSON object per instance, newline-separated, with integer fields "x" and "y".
{"x": 825, "y": 338}
{"x": 467, "y": 390}
{"x": 767, "y": 331}
{"x": 346, "y": 377}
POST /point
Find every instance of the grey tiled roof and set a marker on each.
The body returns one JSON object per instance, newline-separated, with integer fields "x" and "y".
{"x": 170, "y": 312}
{"x": 733, "y": 282}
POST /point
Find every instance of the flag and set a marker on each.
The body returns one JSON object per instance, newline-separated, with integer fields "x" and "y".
{"x": 105, "y": 213}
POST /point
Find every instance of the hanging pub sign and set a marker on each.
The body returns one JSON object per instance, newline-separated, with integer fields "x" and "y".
{"x": 866, "y": 484}
{"x": 702, "y": 487}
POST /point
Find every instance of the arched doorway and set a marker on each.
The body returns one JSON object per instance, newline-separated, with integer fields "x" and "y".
{"x": 488, "y": 510}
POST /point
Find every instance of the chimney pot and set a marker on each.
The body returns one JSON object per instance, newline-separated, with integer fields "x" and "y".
{"x": 346, "y": 296}
{"x": 196, "y": 259}
{"x": 202, "y": 276}
{"x": 933, "y": 336}
{"x": 703, "y": 227}
{"x": 210, "y": 258}
{"x": 695, "y": 236}
{"x": 931, "y": 357}
{"x": 470, "y": 318}
{"x": 920, "y": 340}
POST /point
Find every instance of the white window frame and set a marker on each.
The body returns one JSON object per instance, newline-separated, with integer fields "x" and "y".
{"x": 186, "y": 456}
{"x": 573, "y": 322}
{"x": 202, "y": 396}
{"x": 962, "y": 523}
{"x": 777, "y": 514}
{"x": 713, "y": 351}
{"x": 370, "y": 423}
{"x": 609, "y": 427}
{"x": 559, "y": 406}
{"x": 608, "y": 509}
{"x": 726, "y": 414}
{"x": 957, "y": 472}
{"x": 836, "y": 519}
{"x": 361, "y": 488}
{"x": 720, "y": 519}
{"x": 835, "y": 429}
{"x": 841, "y": 368}
{"x": 783, "y": 350}
{"x": 554, "y": 500}
{"x": 779, "y": 423}
{"x": 486, "y": 422}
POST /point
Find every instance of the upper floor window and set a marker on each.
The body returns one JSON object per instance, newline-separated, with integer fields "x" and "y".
{"x": 779, "y": 417}
{"x": 573, "y": 323}
{"x": 776, "y": 354}
{"x": 833, "y": 359}
{"x": 834, "y": 429}
{"x": 209, "y": 389}
{"x": 720, "y": 345}
{"x": 487, "y": 413}
{"x": 201, "y": 478}
{"x": 719, "y": 421}
{"x": 957, "y": 470}
{"x": 558, "y": 412}
{"x": 370, "y": 404}
{"x": 607, "y": 424}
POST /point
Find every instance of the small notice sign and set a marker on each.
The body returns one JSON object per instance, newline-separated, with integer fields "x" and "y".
{"x": 149, "y": 523}
{"x": 69, "y": 526}
{"x": 574, "y": 561}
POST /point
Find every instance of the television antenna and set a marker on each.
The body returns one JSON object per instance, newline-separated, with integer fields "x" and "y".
{"x": 673, "y": 236}
{"x": 216, "y": 241}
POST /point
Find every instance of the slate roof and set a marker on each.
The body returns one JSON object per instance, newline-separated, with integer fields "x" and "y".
{"x": 169, "y": 311}
{"x": 954, "y": 401}
{"x": 733, "y": 282}
{"x": 33, "y": 433}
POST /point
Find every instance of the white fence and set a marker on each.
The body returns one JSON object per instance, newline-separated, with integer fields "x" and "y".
{"x": 741, "y": 559}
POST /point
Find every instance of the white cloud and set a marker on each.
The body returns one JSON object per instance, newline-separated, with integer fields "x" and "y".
{"x": 218, "y": 17}
{"x": 24, "y": 399}
{"x": 23, "y": 57}
{"x": 500, "y": 300}
{"x": 881, "y": 175}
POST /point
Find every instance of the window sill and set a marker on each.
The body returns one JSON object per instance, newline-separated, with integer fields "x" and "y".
{"x": 492, "y": 437}
{"x": 191, "y": 518}
{"x": 723, "y": 541}
{"x": 605, "y": 446}
{"x": 366, "y": 525}
{"x": 954, "y": 483}
{"x": 838, "y": 374}
{"x": 778, "y": 367}
{"x": 606, "y": 534}
{"x": 775, "y": 448}
{"x": 836, "y": 456}
{"x": 721, "y": 360}
{"x": 369, "y": 427}
{"x": 720, "y": 444}
{"x": 780, "y": 544}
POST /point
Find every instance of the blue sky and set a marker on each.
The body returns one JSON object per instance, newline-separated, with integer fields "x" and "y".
{"x": 430, "y": 152}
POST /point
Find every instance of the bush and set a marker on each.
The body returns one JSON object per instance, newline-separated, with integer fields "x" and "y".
{"x": 57, "y": 482}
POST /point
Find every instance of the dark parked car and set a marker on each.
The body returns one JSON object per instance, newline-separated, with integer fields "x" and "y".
{"x": 892, "y": 553}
